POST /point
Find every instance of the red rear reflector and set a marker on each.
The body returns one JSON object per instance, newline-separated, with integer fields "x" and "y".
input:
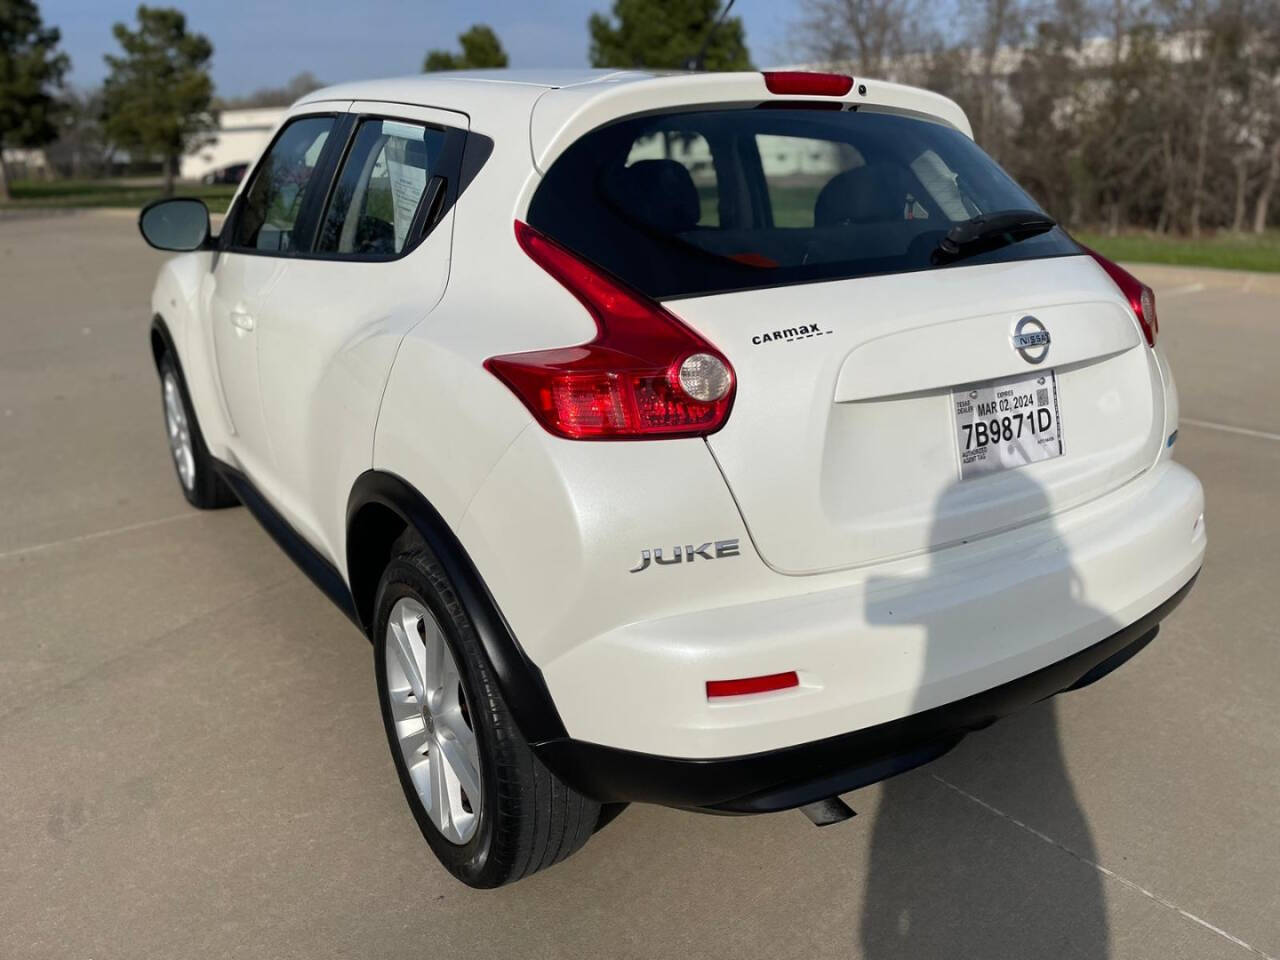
{"x": 645, "y": 375}
{"x": 804, "y": 83}
{"x": 738, "y": 688}
{"x": 1141, "y": 297}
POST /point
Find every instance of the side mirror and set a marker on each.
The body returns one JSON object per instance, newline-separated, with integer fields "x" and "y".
{"x": 176, "y": 223}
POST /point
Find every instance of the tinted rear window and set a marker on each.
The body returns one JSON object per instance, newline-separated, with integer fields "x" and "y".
{"x": 692, "y": 203}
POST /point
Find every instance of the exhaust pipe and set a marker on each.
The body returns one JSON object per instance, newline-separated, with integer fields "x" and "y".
{"x": 823, "y": 813}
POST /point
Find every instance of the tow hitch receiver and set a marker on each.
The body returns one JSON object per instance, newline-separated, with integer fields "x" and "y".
{"x": 823, "y": 813}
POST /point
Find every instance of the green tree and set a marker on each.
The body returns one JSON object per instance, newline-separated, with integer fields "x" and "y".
{"x": 31, "y": 69}
{"x": 481, "y": 50}
{"x": 666, "y": 34}
{"x": 82, "y": 149}
{"x": 156, "y": 98}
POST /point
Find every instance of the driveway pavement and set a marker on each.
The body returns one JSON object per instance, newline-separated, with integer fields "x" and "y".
{"x": 192, "y": 765}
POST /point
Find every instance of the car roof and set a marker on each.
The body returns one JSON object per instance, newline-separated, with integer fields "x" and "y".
{"x": 428, "y": 88}
{"x": 553, "y": 107}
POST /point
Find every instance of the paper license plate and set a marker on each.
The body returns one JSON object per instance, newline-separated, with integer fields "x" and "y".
{"x": 1006, "y": 423}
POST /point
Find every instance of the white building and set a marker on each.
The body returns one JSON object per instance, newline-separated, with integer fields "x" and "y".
{"x": 240, "y": 137}
{"x": 26, "y": 164}
{"x": 779, "y": 156}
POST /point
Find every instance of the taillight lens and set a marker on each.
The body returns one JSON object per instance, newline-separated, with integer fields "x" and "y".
{"x": 807, "y": 83}
{"x": 1141, "y": 297}
{"x": 645, "y": 375}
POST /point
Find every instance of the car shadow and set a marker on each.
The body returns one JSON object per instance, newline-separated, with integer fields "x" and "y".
{"x": 984, "y": 853}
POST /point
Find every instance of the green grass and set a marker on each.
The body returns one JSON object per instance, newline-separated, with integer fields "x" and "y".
{"x": 1227, "y": 250}
{"x": 108, "y": 193}
{"x": 792, "y": 205}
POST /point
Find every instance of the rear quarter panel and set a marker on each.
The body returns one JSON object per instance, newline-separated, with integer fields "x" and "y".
{"x": 445, "y": 420}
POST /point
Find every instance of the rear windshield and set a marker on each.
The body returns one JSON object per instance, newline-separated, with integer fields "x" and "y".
{"x": 684, "y": 204}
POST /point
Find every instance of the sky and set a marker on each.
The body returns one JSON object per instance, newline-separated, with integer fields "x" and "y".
{"x": 263, "y": 44}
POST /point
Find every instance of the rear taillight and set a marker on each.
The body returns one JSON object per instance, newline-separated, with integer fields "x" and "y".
{"x": 807, "y": 83}
{"x": 645, "y": 375}
{"x": 1141, "y": 297}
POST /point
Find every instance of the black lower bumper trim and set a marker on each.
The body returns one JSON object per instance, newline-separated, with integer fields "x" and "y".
{"x": 794, "y": 776}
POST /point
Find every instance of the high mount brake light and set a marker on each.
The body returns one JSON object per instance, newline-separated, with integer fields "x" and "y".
{"x": 1141, "y": 297}
{"x": 645, "y": 375}
{"x": 806, "y": 83}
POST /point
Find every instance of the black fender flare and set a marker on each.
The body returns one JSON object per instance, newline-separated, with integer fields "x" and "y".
{"x": 160, "y": 331}
{"x": 519, "y": 678}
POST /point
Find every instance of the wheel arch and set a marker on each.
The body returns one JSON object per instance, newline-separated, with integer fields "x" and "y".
{"x": 161, "y": 341}
{"x": 380, "y": 509}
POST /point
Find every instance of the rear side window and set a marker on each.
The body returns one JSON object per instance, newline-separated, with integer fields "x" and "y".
{"x": 375, "y": 207}
{"x": 283, "y": 181}
{"x": 708, "y": 201}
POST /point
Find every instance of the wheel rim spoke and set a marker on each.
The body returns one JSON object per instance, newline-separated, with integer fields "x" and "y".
{"x": 180, "y": 445}
{"x": 417, "y": 757}
{"x": 441, "y": 805}
{"x": 408, "y": 720}
{"x": 437, "y": 656}
{"x": 416, "y": 746}
{"x": 405, "y": 707}
{"x": 408, "y": 659}
{"x": 428, "y": 711}
{"x": 456, "y": 729}
{"x": 455, "y": 755}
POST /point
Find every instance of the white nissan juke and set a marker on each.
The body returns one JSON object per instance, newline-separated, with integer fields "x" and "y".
{"x": 724, "y": 441}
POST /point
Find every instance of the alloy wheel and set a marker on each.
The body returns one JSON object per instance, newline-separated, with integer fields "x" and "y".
{"x": 432, "y": 720}
{"x": 179, "y": 431}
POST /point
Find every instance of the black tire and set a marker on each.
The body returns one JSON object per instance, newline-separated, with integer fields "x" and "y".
{"x": 529, "y": 819}
{"x": 206, "y": 488}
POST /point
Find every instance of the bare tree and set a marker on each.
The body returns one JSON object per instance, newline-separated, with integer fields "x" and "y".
{"x": 1267, "y": 117}
{"x": 1163, "y": 114}
{"x": 297, "y": 87}
{"x": 868, "y": 37}
{"x": 997, "y": 30}
{"x": 82, "y": 148}
{"x": 1262, "y": 207}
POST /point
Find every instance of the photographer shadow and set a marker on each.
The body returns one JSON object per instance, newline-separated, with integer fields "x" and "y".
{"x": 949, "y": 875}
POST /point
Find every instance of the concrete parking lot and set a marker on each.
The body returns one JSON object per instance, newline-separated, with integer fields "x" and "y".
{"x": 192, "y": 762}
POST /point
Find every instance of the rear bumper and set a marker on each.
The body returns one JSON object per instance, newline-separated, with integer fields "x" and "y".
{"x": 793, "y": 776}
{"x": 871, "y": 645}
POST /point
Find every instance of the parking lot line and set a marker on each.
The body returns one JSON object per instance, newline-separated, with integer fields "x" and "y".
{"x": 1179, "y": 291}
{"x": 1110, "y": 874}
{"x": 1228, "y": 428}
{"x": 96, "y": 535}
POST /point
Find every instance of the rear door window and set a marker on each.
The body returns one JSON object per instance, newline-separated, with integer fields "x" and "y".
{"x": 377, "y": 206}
{"x": 708, "y": 201}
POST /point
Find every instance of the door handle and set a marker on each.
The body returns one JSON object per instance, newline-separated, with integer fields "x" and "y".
{"x": 242, "y": 320}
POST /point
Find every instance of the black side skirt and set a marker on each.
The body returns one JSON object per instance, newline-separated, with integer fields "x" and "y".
{"x": 320, "y": 571}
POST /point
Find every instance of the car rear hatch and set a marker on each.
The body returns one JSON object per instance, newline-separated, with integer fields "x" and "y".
{"x": 814, "y": 249}
{"x": 843, "y": 446}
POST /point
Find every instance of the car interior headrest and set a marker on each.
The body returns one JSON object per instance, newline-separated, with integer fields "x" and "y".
{"x": 659, "y": 193}
{"x": 873, "y": 193}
